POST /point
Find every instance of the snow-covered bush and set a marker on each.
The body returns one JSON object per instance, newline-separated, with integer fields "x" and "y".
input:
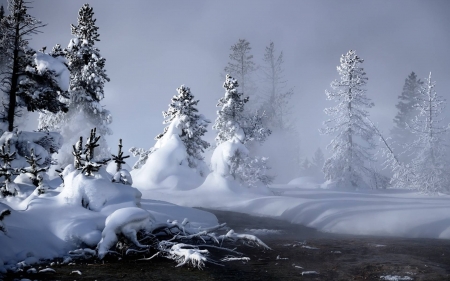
{"x": 191, "y": 124}
{"x": 168, "y": 165}
{"x": 96, "y": 192}
{"x": 18, "y": 149}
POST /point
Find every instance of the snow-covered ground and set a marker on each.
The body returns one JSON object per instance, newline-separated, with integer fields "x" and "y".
{"x": 91, "y": 211}
{"x": 400, "y": 213}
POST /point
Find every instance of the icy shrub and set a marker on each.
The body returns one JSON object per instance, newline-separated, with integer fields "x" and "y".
{"x": 97, "y": 191}
{"x": 168, "y": 166}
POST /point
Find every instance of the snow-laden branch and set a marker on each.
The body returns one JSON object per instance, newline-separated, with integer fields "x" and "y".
{"x": 133, "y": 230}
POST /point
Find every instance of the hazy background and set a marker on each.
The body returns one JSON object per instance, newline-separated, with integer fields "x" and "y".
{"x": 152, "y": 47}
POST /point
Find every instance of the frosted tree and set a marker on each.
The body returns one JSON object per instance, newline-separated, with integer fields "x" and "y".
{"x": 87, "y": 79}
{"x": 192, "y": 124}
{"x": 241, "y": 66}
{"x": 318, "y": 159}
{"x": 430, "y": 167}
{"x": 25, "y": 85}
{"x": 277, "y": 97}
{"x": 233, "y": 123}
{"x": 407, "y": 110}
{"x": 353, "y": 136}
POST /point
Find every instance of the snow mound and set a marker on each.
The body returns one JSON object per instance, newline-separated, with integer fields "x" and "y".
{"x": 127, "y": 222}
{"x": 96, "y": 192}
{"x": 46, "y": 62}
{"x": 167, "y": 166}
{"x": 305, "y": 182}
{"x": 220, "y": 160}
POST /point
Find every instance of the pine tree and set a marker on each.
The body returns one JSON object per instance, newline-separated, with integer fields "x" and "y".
{"x": 277, "y": 100}
{"x": 429, "y": 166}
{"x": 407, "y": 109}
{"x": 318, "y": 159}
{"x": 348, "y": 163}
{"x": 192, "y": 124}
{"x": 234, "y": 121}
{"x": 33, "y": 171}
{"x": 241, "y": 66}
{"x": 86, "y": 88}
{"x": 23, "y": 83}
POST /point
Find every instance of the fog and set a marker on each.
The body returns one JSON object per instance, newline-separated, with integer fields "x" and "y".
{"x": 152, "y": 47}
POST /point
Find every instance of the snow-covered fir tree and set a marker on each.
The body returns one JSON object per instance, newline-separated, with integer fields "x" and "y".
{"x": 318, "y": 159}
{"x": 87, "y": 79}
{"x": 348, "y": 165}
{"x": 277, "y": 98}
{"x": 25, "y": 84}
{"x": 429, "y": 166}
{"x": 407, "y": 110}
{"x": 242, "y": 67}
{"x": 233, "y": 123}
{"x": 192, "y": 124}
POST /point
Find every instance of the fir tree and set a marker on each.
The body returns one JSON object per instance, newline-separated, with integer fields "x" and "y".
{"x": 277, "y": 100}
{"x": 192, "y": 124}
{"x": 348, "y": 163}
{"x": 407, "y": 109}
{"x": 241, "y": 66}
{"x": 33, "y": 171}
{"x": 233, "y": 120}
{"x": 86, "y": 87}
{"x": 235, "y": 124}
{"x": 8, "y": 187}
{"x": 25, "y": 85}
{"x": 429, "y": 166}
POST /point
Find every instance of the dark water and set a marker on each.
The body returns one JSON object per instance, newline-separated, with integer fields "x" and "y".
{"x": 295, "y": 250}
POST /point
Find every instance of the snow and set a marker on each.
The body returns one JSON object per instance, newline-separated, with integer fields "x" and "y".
{"x": 47, "y": 62}
{"x": 398, "y": 213}
{"x": 92, "y": 211}
{"x": 125, "y": 221}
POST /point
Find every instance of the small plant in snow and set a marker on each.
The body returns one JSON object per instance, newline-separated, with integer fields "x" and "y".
{"x": 8, "y": 187}
{"x": 84, "y": 161}
{"x": 121, "y": 176}
{"x": 33, "y": 171}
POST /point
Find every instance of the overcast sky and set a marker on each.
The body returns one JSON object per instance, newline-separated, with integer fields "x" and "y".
{"x": 152, "y": 47}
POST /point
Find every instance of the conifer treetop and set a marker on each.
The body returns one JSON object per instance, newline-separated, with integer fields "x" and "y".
{"x": 86, "y": 28}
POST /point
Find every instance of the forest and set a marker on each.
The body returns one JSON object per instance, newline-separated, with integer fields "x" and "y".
{"x": 95, "y": 203}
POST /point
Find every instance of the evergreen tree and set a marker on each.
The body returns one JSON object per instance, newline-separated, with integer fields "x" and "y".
{"x": 276, "y": 104}
{"x": 87, "y": 79}
{"x": 429, "y": 166}
{"x": 318, "y": 159}
{"x": 241, "y": 66}
{"x": 235, "y": 124}
{"x": 192, "y": 124}
{"x": 234, "y": 121}
{"x": 348, "y": 163}
{"x": 407, "y": 109}
{"x": 24, "y": 84}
